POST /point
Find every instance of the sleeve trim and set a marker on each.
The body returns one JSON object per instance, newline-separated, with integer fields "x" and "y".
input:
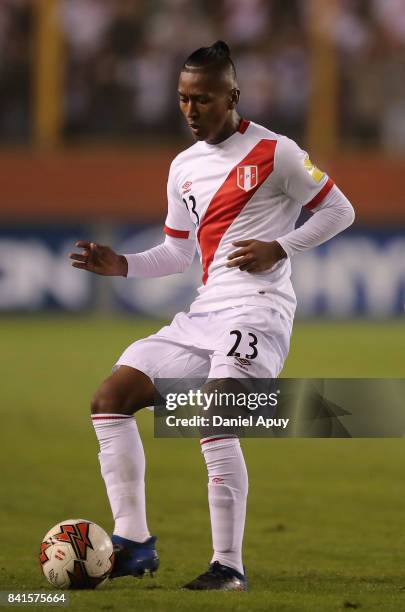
{"x": 320, "y": 196}
{"x": 175, "y": 233}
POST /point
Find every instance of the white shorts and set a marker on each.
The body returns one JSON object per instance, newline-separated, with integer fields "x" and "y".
{"x": 239, "y": 342}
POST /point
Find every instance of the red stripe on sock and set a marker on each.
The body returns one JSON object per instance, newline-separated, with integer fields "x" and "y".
{"x": 216, "y": 439}
{"x": 106, "y": 418}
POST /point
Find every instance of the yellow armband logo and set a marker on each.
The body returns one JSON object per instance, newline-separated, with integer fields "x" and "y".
{"x": 316, "y": 174}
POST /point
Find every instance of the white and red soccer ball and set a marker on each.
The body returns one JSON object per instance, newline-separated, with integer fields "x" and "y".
{"x": 76, "y": 554}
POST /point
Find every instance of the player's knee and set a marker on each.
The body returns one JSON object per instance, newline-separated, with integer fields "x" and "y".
{"x": 107, "y": 401}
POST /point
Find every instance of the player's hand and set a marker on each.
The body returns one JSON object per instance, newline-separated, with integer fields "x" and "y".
{"x": 255, "y": 255}
{"x": 99, "y": 259}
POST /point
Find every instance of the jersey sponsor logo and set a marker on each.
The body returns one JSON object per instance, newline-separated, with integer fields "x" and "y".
{"x": 247, "y": 177}
{"x": 186, "y": 187}
{"x": 316, "y": 174}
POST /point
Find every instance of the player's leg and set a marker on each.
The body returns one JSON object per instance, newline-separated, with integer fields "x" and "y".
{"x": 121, "y": 456}
{"x": 122, "y": 462}
{"x": 227, "y": 496}
{"x": 263, "y": 343}
{"x": 122, "y": 459}
{"x": 124, "y": 392}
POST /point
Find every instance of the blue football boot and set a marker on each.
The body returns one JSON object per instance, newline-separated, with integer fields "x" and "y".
{"x": 134, "y": 558}
{"x": 218, "y": 578}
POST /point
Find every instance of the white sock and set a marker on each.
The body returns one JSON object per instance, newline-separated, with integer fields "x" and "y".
{"x": 122, "y": 462}
{"x": 227, "y": 494}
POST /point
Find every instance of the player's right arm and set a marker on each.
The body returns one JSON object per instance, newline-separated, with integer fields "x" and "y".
{"x": 173, "y": 256}
{"x": 177, "y": 252}
{"x": 99, "y": 259}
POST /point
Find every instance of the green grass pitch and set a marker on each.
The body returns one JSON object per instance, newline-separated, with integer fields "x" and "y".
{"x": 326, "y": 518}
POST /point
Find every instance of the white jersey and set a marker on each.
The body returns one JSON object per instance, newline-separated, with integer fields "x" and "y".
{"x": 250, "y": 186}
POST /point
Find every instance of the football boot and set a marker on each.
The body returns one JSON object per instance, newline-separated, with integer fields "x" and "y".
{"x": 218, "y": 578}
{"x": 134, "y": 558}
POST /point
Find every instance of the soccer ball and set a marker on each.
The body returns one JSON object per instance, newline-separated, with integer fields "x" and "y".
{"x": 76, "y": 554}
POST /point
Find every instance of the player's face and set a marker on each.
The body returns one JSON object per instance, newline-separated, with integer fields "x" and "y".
{"x": 207, "y": 101}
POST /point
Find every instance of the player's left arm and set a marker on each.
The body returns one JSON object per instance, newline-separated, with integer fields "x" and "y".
{"x": 305, "y": 185}
{"x": 333, "y": 215}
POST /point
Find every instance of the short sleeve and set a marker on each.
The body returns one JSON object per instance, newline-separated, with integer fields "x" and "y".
{"x": 178, "y": 223}
{"x": 298, "y": 177}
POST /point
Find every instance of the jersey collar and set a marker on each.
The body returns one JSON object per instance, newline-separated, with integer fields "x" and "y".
{"x": 242, "y": 127}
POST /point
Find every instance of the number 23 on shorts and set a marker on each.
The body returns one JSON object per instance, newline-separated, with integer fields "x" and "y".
{"x": 239, "y": 337}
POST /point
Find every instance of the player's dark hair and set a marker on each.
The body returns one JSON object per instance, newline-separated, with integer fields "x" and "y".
{"x": 216, "y": 57}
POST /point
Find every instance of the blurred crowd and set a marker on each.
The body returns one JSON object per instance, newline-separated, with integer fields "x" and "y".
{"x": 125, "y": 56}
{"x": 123, "y": 59}
{"x": 16, "y": 26}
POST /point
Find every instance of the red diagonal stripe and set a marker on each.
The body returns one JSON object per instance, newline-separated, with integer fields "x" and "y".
{"x": 229, "y": 200}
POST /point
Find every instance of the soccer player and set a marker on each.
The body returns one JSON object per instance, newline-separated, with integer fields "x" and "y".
{"x": 235, "y": 194}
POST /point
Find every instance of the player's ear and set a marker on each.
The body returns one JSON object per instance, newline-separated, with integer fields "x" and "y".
{"x": 235, "y": 93}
